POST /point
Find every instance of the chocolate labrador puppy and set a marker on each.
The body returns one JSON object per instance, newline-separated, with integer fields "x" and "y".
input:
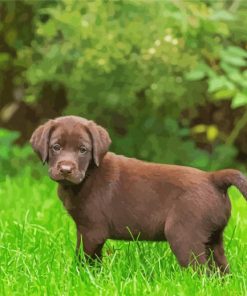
{"x": 111, "y": 196}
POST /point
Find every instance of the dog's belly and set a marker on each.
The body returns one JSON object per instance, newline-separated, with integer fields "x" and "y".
{"x": 135, "y": 230}
{"x": 138, "y": 236}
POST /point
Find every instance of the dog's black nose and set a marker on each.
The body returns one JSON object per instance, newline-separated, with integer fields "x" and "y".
{"x": 66, "y": 169}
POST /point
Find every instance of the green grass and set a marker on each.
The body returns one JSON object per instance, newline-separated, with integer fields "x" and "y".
{"x": 37, "y": 242}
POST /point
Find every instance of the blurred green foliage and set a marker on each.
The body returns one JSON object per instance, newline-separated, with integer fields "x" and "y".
{"x": 12, "y": 158}
{"x": 140, "y": 68}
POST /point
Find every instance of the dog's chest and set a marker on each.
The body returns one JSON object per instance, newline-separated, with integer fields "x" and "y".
{"x": 68, "y": 200}
{"x": 74, "y": 204}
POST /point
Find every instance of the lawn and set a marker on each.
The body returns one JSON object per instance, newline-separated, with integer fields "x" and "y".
{"x": 37, "y": 252}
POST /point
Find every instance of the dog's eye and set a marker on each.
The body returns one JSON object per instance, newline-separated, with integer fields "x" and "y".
{"x": 56, "y": 147}
{"x": 83, "y": 150}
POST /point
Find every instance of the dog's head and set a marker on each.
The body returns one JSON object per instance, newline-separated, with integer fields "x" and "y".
{"x": 69, "y": 144}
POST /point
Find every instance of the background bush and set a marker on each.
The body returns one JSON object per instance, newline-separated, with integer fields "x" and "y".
{"x": 168, "y": 79}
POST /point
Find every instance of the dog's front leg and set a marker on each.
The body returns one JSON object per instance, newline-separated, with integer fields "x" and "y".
{"x": 92, "y": 245}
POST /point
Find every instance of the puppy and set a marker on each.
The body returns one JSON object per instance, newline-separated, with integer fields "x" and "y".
{"x": 111, "y": 196}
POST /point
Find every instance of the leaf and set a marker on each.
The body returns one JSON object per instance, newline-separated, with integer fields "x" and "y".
{"x": 196, "y": 74}
{"x": 224, "y": 94}
{"x": 239, "y": 100}
{"x": 236, "y": 61}
{"x": 199, "y": 128}
{"x": 228, "y": 68}
{"x": 4, "y": 57}
{"x": 237, "y": 51}
{"x": 218, "y": 83}
{"x": 230, "y": 58}
{"x": 72, "y": 19}
{"x": 48, "y": 29}
{"x": 212, "y": 133}
{"x": 238, "y": 78}
{"x": 222, "y": 15}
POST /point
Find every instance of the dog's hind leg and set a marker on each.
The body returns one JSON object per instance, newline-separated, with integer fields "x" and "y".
{"x": 187, "y": 252}
{"x": 186, "y": 238}
{"x": 215, "y": 249}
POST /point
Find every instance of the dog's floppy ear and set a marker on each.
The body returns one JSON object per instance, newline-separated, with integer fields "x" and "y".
{"x": 40, "y": 140}
{"x": 101, "y": 141}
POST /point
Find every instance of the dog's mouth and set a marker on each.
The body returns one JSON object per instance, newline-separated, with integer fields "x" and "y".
{"x": 67, "y": 182}
{"x": 72, "y": 179}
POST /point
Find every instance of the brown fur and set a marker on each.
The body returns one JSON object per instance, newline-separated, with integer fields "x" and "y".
{"x": 111, "y": 196}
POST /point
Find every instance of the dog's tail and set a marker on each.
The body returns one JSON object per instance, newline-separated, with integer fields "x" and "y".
{"x": 225, "y": 178}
